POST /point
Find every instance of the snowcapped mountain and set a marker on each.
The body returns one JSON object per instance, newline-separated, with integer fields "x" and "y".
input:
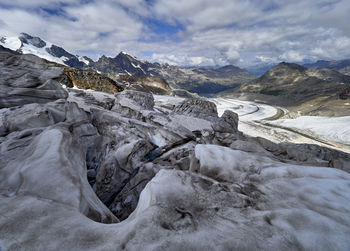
{"x": 28, "y": 44}
{"x": 194, "y": 79}
{"x": 121, "y": 64}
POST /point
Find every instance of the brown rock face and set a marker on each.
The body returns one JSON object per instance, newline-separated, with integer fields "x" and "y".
{"x": 90, "y": 80}
{"x": 345, "y": 93}
{"x": 145, "y": 83}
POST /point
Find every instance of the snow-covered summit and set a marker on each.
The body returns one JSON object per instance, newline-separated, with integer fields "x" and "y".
{"x": 28, "y": 44}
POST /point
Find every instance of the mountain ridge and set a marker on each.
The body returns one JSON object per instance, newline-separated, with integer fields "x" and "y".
{"x": 343, "y": 66}
{"x": 195, "y": 79}
{"x": 292, "y": 79}
{"x": 320, "y": 92}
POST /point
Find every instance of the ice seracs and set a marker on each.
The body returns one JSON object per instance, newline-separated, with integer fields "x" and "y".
{"x": 85, "y": 170}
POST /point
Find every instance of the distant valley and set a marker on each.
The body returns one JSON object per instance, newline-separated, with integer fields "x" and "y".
{"x": 320, "y": 88}
{"x": 343, "y": 66}
{"x": 311, "y": 91}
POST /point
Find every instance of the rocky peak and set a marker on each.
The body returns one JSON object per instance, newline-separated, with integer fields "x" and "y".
{"x": 130, "y": 64}
{"x": 103, "y": 60}
{"x": 286, "y": 68}
{"x": 231, "y": 69}
{"x": 35, "y": 41}
{"x": 121, "y": 64}
{"x": 124, "y": 56}
{"x": 71, "y": 60}
{"x": 87, "y": 59}
{"x": 58, "y": 51}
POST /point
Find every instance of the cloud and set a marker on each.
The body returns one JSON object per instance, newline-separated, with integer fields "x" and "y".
{"x": 292, "y": 56}
{"x": 92, "y": 26}
{"x": 265, "y": 59}
{"x": 202, "y": 32}
{"x": 182, "y": 60}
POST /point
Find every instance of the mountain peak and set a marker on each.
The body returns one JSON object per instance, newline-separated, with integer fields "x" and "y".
{"x": 289, "y": 66}
{"x": 124, "y": 55}
{"x": 35, "y": 41}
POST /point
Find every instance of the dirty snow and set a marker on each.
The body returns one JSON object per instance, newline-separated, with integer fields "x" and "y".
{"x": 335, "y": 129}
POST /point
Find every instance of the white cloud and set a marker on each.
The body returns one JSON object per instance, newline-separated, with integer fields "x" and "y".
{"x": 292, "y": 56}
{"x": 79, "y": 29}
{"x": 25, "y": 4}
{"x": 214, "y": 32}
{"x": 265, "y": 59}
{"x": 182, "y": 60}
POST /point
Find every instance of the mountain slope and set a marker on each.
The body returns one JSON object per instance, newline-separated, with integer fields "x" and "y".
{"x": 259, "y": 69}
{"x": 121, "y": 64}
{"x": 194, "y": 79}
{"x": 201, "y": 80}
{"x": 296, "y": 81}
{"x": 28, "y": 44}
{"x": 343, "y": 66}
{"x": 309, "y": 91}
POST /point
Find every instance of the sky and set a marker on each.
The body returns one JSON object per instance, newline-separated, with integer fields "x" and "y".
{"x": 188, "y": 32}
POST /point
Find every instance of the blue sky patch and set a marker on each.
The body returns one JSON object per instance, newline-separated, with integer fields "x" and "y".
{"x": 162, "y": 28}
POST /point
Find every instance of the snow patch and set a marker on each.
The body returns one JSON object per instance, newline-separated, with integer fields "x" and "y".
{"x": 12, "y": 43}
{"x": 42, "y": 52}
{"x": 138, "y": 66}
{"x": 82, "y": 59}
{"x": 335, "y": 129}
{"x": 158, "y": 140}
{"x": 246, "y": 110}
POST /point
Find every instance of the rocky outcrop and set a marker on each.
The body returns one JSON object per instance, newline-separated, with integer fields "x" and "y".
{"x": 122, "y": 64}
{"x": 89, "y": 80}
{"x": 206, "y": 116}
{"x": 345, "y": 93}
{"x": 35, "y": 41}
{"x": 142, "y": 99}
{"x": 28, "y": 79}
{"x": 53, "y": 137}
{"x": 199, "y": 108}
{"x": 144, "y": 83}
